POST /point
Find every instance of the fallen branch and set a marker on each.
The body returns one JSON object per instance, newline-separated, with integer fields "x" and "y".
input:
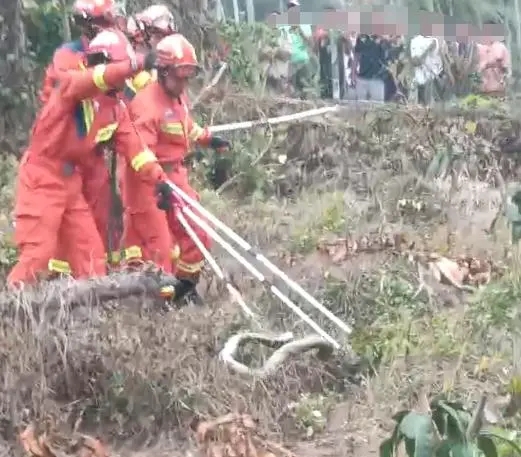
{"x": 53, "y": 299}
{"x": 285, "y": 347}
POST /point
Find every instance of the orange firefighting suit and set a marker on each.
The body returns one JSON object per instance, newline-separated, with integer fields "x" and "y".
{"x": 96, "y": 173}
{"x": 70, "y": 57}
{"x": 67, "y": 57}
{"x": 97, "y": 178}
{"x": 165, "y": 127}
{"x": 49, "y": 203}
{"x": 132, "y": 87}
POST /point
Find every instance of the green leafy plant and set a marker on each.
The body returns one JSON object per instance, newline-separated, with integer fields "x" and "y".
{"x": 447, "y": 430}
{"x": 513, "y": 215}
{"x": 245, "y": 43}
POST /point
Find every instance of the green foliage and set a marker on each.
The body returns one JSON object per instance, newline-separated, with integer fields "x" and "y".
{"x": 245, "y": 41}
{"x": 497, "y": 305}
{"x": 446, "y": 431}
{"x": 44, "y": 31}
{"x": 8, "y": 253}
{"x": 513, "y": 214}
{"x": 311, "y": 411}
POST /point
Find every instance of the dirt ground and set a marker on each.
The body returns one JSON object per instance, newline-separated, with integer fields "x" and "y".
{"x": 358, "y": 423}
{"x": 138, "y": 377}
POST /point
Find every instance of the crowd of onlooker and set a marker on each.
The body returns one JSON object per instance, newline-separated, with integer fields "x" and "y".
{"x": 375, "y": 67}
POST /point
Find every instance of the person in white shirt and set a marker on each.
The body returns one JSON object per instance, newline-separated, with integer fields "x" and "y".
{"x": 425, "y": 54}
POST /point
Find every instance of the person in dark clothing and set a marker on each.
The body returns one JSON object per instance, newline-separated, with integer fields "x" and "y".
{"x": 324, "y": 61}
{"x": 370, "y": 56}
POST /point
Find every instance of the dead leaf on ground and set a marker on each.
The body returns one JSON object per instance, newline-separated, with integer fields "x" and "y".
{"x": 342, "y": 249}
{"x": 234, "y": 435}
{"x": 459, "y": 272}
{"x": 463, "y": 270}
{"x": 45, "y": 444}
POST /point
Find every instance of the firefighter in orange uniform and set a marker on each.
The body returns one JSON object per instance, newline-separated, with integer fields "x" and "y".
{"x": 165, "y": 127}
{"x": 90, "y": 16}
{"x": 49, "y": 202}
{"x": 146, "y": 29}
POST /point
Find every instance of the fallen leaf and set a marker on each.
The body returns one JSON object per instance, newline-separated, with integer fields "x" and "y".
{"x": 450, "y": 271}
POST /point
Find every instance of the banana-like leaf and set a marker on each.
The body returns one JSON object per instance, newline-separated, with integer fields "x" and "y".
{"x": 487, "y": 446}
{"x": 444, "y": 449}
{"x": 418, "y": 431}
{"x": 463, "y": 450}
{"x": 512, "y": 212}
{"x": 516, "y": 232}
{"x": 455, "y": 426}
{"x": 502, "y": 438}
{"x": 387, "y": 448}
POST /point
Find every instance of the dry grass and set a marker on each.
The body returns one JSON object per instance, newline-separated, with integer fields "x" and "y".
{"x": 134, "y": 373}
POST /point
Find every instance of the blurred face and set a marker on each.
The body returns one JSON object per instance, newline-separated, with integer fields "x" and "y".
{"x": 175, "y": 80}
{"x": 155, "y": 37}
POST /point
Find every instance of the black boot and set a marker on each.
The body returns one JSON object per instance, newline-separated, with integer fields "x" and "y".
{"x": 181, "y": 291}
{"x": 186, "y": 293}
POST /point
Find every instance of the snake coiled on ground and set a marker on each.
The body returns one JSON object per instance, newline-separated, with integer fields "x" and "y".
{"x": 285, "y": 346}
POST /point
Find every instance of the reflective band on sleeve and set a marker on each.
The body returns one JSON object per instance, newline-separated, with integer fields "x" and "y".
{"x": 141, "y": 159}
{"x": 190, "y": 267}
{"x": 173, "y": 128}
{"x": 98, "y": 77}
{"x": 88, "y": 114}
{"x": 105, "y": 134}
{"x": 141, "y": 80}
{"x": 196, "y": 132}
{"x": 59, "y": 266}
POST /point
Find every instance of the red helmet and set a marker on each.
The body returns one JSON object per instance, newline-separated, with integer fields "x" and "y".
{"x": 109, "y": 46}
{"x": 176, "y": 52}
{"x": 95, "y": 9}
{"x": 158, "y": 20}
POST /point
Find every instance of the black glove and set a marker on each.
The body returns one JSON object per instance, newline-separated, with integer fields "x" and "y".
{"x": 150, "y": 60}
{"x": 164, "y": 196}
{"x": 219, "y": 143}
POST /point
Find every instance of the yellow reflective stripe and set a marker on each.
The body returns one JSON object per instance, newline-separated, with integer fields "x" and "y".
{"x": 59, "y": 266}
{"x": 141, "y": 80}
{"x": 141, "y": 159}
{"x": 105, "y": 134}
{"x": 154, "y": 74}
{"x": 175, "y": 253}
{"x": 133, "y": 252}
{"x": 190, "y": 267}
{"x": 115, "y": 257}
{"x": 88, "y": 114}
{"x": 98, "y": 77}
{"x": 88, "y": 109}
{"x": 173, "y": 128}
{"x": 167, "y": 292}
{"x": 196, "y": 132}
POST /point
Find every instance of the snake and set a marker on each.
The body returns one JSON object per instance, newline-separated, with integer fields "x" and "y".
{"x": 285, "y": 346}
